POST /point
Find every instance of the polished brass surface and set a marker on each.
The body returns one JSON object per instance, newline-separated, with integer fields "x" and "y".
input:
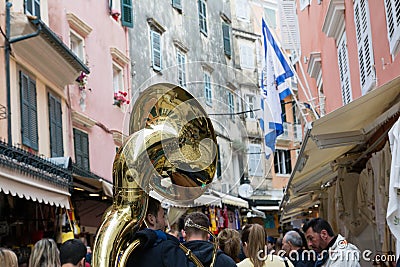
{"x": 172, "y": 150}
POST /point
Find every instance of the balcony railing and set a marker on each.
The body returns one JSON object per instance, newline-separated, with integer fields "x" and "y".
{"x": 18, "y": 159}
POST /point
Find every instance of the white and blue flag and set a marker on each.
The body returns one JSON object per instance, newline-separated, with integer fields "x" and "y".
{"x": 275, "y": 87}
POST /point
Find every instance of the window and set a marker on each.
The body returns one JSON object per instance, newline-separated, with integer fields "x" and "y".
{"x": 29, "y": 123}
{"x": 207, "y": 88}
{"x": 246, "y": 56}
{"x": 81, "y": 146}
{"x": 56, "y": 131}
{"x": 270, "y": 17}
{"x": 283, "y": 108}
{"x": 231, "y": 105}
{"x": 77, "y": 45}
{"x": 226, "y": 33}
{"x": 219, "y": 168}
{"x": 344, "y": 70}
{"x": 156, "y": 53}
{"x": 32, "y": 7}
{"x": 126, "y": 13}
{"x": 118, "y": 79}
{"x": 242, "y": 9}
{"x": 203, "y": 16}
{"x": 177, "y": 5}
{"x": 181, "y": 58}
{"x": 250, "y": 101}
{"x": 254, "y": 158}
{"x": 393, "y": 24}
{"x": 282, "y": 162}
{"x": 364, "y": 45}
{"x": 290, "y": 37}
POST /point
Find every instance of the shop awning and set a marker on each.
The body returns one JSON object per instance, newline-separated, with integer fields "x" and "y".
{"x": 27, "y": 186}
{"x": 93, "y": 185}
{"x": 203, "y": 200}
{"x": 332, "y": 140}
{"x": 231, "y": 200}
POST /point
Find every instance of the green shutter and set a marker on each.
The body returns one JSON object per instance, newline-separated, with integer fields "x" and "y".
{"x": 156, "y": 50}
{"x": 81, "y": 146}
{"x": 177, "y": 4}
{"x": 127, "y": 13}
{"x": 227, "y": 39}
{"x": 29, "y": 125}
{"x": 56, "y": 134}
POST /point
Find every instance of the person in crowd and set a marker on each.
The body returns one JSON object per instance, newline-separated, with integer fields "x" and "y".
{"x": 303, "y": 238}
{"x": 271, "y": 244}
{"x": 278, "y": 245}
{"x": 253, "y": 240}
{"x": 157, "y": 247}
{"x": 8, "y": 258}
{"x": 229, "y": 242}
{"x": 197, "y": 242}
{"x": 73, "y": 253}
{"x": 333, "y": 250}
{"x": 292, "y": 244}
{"x": 45, "y": 254}
{"x": 88, "y": 255}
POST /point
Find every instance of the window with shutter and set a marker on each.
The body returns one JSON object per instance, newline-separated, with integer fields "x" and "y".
{"x": 282, "y": 162}
{"x": 156, "y": 50}
{"x": 392, "y": 8}
{"x": 254, "y": 160}
{"x": 203, "y": 16}
{"x": 55, "y": 121}
{"x": 344, "y": 71}
{"x": 181, "y": 58}
{"x": 250, "y": 99}
{"x": 81, "y": 146}
{"x": 246, "y": 56}
{"x": 32, "y": 7}
{"x": 231, "y": 105}
{"x": 270, "y": 17}
{"x": 290, "y": 37}
{"x": 207, "y": 88}
{"x": 226, "y": 33}
{"x": 177, "y": 4}
{"x": 127, "y": 13}
{"x": 29, "y": 125}
{"x": 364, "y": 44}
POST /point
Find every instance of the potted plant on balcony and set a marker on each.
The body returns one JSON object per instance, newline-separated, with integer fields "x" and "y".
{"x": 120, "y": 98}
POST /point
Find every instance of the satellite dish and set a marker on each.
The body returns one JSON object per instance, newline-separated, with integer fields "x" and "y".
{"x": 245, "y": 190}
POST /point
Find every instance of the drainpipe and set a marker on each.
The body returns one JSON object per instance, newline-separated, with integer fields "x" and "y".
{"x": 7, "y": 49}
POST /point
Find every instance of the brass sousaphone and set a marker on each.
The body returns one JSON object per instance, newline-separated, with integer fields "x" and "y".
{"x": 172, "y": 149}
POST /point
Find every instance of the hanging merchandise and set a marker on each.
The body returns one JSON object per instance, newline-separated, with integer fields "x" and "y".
{"x": 220, "y": 218}
{"x": 67, "y": 232}
{"x": 237, "y": 219}
{"x": 226, "y": 218}
{"x": 213, "y": 221}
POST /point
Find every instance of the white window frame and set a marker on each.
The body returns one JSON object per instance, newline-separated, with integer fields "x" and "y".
{"x": 181, "y": 62}
{"x": 77, "y": 44}
{"x": 118, "y": 78}
{"x": 250, "y": 103}
{"x": 364, "y": 45}
{"x": 255, "y": 167}
{"x": 231, "y": 104}
{"x": 281, "y": 157}
{"x": 393, "y": 26}
{"x": 207, "y": 88}
{"x": 344, "y": 70}
{"x": 242, "y": 10}
{"x": 246, "y": 56}
{"x": 267, "y": 18}
{"x": 154, "y": 51}
{"x": 34, "y": 12}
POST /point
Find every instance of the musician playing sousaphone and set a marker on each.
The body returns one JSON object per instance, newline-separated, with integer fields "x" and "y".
{"x": 172, "y": 150}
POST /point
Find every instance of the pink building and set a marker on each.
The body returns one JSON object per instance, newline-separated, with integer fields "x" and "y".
{"x": 349, "y": 57}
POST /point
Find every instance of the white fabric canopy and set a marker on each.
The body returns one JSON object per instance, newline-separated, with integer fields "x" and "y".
{"x": 231, "y": 200}
{"x": 25, "y": 186}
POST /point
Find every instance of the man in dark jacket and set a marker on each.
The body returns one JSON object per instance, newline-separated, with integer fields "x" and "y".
{"x": 157, "y": 248}
{"x": 197, "y": 242}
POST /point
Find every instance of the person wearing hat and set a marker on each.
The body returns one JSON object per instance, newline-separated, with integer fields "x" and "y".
{"x": 270, "y": 245}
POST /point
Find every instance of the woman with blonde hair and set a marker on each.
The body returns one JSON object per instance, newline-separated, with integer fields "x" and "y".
{"x": 45, "y": 254}
{"x": 8, "y": 258}
{"x": 229, "y": 242}
{"x": 253, "y": 241}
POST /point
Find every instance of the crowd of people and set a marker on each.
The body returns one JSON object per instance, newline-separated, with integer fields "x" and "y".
{"x": 312, "y": 246}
